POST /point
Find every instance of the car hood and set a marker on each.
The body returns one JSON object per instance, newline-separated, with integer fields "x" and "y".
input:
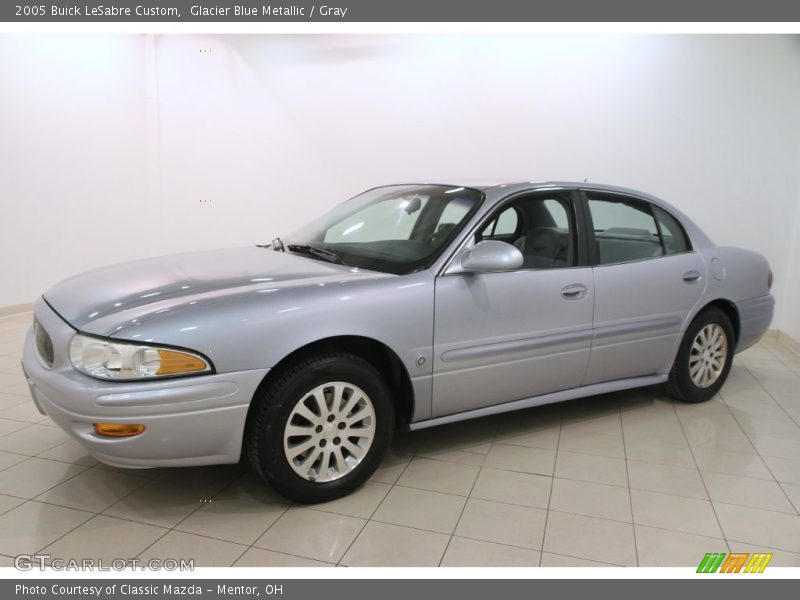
{"x": 109, "y": 299}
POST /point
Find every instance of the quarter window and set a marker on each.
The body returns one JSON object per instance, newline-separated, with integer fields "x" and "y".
{"x": 675, "y": 240}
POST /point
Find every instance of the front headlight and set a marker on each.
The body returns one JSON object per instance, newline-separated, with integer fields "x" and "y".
{"x": 105, "y": 359}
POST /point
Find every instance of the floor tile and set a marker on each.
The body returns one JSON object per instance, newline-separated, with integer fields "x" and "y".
{"x": 9, "y": 502}
{"x": 93, "y": 490}
{"x": 711, "y": 435}
{"x": 662, "y": 454}
{"x": 557, "y": 560}
{"x": 386, "y": 545}
{"x": 72, "y": 452}
{"x": 607, "y": 424}
{"x": 588, "y": 442}
{"x": 537, "y": 437}
{"x": 511, "y": 487}
{"x": 31, "y": 526}
{"x": 421, "y": 509}
{"x": 464, "y": 552}
{"x": 33, "y": 476}
{"x": 474, "y": 435}
{"x": 792, "y": 491}
{"x": 747, "y": 491}
{"x": 240, "y": 513}
{"x": 169, "y": 498}
{"x": 544, "y": 420}
{"x": 765, "y": 410}
{"x": 10, "y": 425}
{"x": 666, "y": 479}
{"x": 771, "y": 446}
{"x": 520, "y": 458}
{"x": 11, "y": 400}
{"x": 361, "y": 503}
{"x": 760, "y": 527}
{"x": 25, "y": 412}
{"x": 502, "y": 523}
{"x": 676, "y": 513}
{"x": 258, "y": 557}
{"x": 663, "y": 429}
{"x": 20, "y": 389}
{"x": 105, "y": 538}
{"x": 662, "y": 548}
{"x": 205, "y": 552}
{"x": 33, "y": 440}
{"x": 590, "y": 538}
{"x": 597, "y": 469}
{"x": 9, "y": 459}
{"x": 785, "y": 470}
{"x": 462, "y": 457}
{"x": 10, "y": 364}
{"x": 439, "y": 476}
{"x": 591, "y": 499}
{"x": 391, "y": 468}
{"x": 783, "y": 428}
{"x": 311, "y": 534}
{"x": 743, "y": 464}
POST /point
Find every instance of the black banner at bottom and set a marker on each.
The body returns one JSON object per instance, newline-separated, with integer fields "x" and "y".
{"x": 704, "y": 586}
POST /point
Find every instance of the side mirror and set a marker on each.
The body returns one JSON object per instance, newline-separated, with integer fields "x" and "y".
{"x": 491, "y": 255}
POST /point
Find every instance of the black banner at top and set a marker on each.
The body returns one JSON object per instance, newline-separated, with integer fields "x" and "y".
{"x": 398, "y": 10}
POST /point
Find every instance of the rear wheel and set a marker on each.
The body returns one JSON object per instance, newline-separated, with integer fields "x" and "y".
{"x": 321, "y": 428}
{"x": 704, "y": 357}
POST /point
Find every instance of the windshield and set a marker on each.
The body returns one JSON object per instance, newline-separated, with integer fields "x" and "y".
{"x": 395, "y": 229}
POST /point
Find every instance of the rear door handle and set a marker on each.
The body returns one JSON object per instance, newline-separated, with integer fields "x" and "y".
{"x": 692, "y": 276}
{"x": 576, "y": 291}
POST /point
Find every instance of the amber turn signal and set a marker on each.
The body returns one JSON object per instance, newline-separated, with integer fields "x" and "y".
{"x": 118, "y": 429}
{"x": 173, "y": 363}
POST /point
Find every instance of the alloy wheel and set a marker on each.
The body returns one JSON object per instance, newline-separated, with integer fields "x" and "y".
{"x": 329, "y": 431}
{"x": 708, "y": 355}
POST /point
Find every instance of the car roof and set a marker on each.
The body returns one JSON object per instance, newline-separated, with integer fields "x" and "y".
{"x": 510, "y": 185}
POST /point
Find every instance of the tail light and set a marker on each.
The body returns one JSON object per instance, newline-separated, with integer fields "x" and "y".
{"x": 769, "y": 280}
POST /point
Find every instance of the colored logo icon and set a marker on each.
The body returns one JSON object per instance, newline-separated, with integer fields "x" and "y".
{"x": 736, "y": 562}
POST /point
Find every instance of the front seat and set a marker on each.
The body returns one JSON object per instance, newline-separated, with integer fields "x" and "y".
{"x": 545, "y": 248}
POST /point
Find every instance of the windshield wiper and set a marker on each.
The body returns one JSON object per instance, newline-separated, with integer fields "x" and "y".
{"x": 316, "y": 252}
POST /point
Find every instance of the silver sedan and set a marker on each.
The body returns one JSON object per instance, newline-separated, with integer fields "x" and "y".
{"x": 407, "y": 306}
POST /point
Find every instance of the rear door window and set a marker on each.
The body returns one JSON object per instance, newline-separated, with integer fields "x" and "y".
{"x": 625, "y": 230}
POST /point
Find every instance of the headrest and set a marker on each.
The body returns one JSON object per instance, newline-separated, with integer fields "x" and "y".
{"x": 544, "y": 241}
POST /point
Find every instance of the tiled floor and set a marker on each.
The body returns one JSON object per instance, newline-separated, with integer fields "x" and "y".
{"x": 622, "y": 479}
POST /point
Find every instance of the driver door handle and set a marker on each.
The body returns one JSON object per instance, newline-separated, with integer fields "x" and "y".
{"x": 576, "y": 291}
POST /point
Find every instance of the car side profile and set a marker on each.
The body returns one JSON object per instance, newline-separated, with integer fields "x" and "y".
{"x": 408, "y": 306}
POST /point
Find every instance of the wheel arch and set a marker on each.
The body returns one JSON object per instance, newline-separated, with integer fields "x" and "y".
{"x": 730, "y": 310}
{"x": 378, "y": 354}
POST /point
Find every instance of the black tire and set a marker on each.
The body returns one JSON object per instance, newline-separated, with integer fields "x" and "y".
{"x": 274, "y": 404}
{"x": 680, "y": 384}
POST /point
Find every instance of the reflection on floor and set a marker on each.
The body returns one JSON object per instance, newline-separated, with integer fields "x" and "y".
{"x": 622, "y": 479}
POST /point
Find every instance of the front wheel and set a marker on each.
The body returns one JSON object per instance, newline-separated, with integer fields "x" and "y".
{"x": 321, "y": 428}
{"x": 704, "y": 357}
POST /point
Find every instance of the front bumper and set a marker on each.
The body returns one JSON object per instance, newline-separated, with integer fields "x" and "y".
{"x": 188, "y": 421}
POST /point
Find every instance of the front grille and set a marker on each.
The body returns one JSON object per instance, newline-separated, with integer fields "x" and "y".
{"x": 44, "y": 345}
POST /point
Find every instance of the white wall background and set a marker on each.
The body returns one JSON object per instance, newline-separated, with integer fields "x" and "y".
{"x": 108, "y": 144}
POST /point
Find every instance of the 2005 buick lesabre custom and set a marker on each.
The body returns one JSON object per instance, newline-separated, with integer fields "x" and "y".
{"x": 408, "y": 306}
